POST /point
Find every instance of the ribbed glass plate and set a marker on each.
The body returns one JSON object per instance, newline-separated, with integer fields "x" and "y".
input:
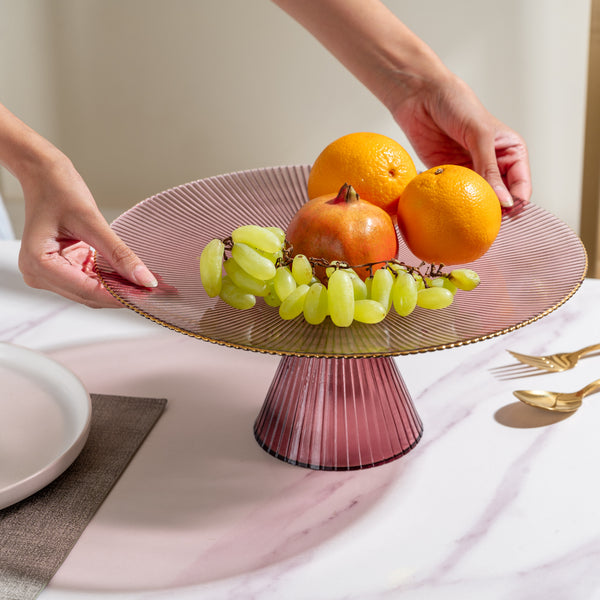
{"x": 536, "y": 264}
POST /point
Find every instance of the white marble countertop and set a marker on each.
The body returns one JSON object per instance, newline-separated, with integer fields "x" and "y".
{"x": 498, "y": 500}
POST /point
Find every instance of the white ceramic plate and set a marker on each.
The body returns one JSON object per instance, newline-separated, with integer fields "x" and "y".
{"x": 44, "y": 421}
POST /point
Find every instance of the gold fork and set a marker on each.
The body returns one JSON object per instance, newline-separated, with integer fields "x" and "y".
{"x": 555, "y": 363}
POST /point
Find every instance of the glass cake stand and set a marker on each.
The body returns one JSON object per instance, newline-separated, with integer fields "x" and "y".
{"x": 338, "y": 400}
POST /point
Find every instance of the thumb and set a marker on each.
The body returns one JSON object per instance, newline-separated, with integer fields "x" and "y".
{"x": 485, "y": 163}
{"x": 121, "y": 257}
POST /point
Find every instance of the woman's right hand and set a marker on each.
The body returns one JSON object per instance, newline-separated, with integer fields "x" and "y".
{"x": 62, "y": 225}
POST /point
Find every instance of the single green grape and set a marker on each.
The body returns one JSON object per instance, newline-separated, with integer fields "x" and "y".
{"x": 369, "y": 285}
{"x": 258, "y": 237}
{"x": 280, "y": 233}
{"x": 443, "y": 282}
{"x": 211, "y": 267}
{"x": 369, "y": 311}
{"x": 420, "y": 281}
{"x": 244, "y": 280}
{"x": 284, "y": 282}
{"x": 252, "y": 262}
{"x": 272, "y": 256}
{"x": 301, "y": 269}
{"x": 235, "y": 297}
{"x": 339, "y": 265}
{"x": 464, "y": 279}
{"x": 381, "y": 289}
{"x": 360, "y": 288}
{"x": 396, "y": 268}
{"x": 404, "y": 294}
{"x": 293, "y": 305}
{"x": 340, "y": 297}
{"x": 315, "y": 304}
{"x": 434, "y": 298}
{"x": 271, "y": 298}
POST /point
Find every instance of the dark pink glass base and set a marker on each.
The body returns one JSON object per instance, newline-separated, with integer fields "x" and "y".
{"x": 337, "y": 413}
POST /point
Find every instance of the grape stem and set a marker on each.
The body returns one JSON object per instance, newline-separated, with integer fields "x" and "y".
{"x": 424, "y": 270}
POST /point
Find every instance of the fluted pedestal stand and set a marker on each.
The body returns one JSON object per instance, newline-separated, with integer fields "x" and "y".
{"x": 337, "y": 413}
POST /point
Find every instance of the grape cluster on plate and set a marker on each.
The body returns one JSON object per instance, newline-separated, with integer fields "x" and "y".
{"x": 258, "y": 261}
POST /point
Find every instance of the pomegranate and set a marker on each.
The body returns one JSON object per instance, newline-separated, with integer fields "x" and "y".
{"x": 343, "y": 227}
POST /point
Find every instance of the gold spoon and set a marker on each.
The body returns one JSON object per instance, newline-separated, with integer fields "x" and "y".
{"x": 560, "y": 402}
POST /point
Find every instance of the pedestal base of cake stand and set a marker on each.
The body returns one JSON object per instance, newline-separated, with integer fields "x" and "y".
{"x": 337, "y": 414}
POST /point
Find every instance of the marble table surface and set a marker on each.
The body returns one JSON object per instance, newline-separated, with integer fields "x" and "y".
{"x": 498, "y": 500}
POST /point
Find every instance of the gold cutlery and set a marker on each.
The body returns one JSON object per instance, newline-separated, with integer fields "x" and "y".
{"x": 555, "y": 363}
{"x": 557, "y": 401}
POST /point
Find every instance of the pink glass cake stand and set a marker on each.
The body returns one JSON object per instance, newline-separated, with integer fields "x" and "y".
{"x": 338, "y": 400}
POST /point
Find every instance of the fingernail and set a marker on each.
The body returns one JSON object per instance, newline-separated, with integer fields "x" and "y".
{"x": 503, "y": 196}
{"x": 142, "y": 276}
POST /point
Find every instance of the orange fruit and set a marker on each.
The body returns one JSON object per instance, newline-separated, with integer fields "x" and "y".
{"x": 449, "y": 215}
{"x": 376, "y": 166}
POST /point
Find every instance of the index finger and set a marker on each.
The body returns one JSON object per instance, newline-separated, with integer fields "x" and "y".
{"x": 518, "y": 180}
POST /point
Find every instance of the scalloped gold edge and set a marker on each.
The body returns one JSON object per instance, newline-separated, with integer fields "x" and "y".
{"x": 357, "y": 355}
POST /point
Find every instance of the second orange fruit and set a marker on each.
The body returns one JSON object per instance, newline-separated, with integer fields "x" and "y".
{"x": 376, "y": 166}
{"x": 449, "y": 215}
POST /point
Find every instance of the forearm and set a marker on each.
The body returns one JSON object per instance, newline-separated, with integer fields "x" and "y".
{"x": 372, "y": 43}
{"x": 24, "y": 152}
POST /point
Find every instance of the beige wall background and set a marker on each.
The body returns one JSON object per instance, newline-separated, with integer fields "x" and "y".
{"x": 146, "y": 94}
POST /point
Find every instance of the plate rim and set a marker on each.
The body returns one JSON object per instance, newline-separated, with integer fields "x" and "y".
{"x": 35, "y": 481}
{"x": 513, "y": 212}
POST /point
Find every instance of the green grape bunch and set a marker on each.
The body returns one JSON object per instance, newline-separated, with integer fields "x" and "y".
{"x": 258, "y": 262}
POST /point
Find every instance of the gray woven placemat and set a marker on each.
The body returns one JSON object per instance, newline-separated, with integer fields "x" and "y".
{"x": 37, "y": 534}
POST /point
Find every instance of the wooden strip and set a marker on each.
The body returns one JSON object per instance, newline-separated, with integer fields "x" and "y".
{"x": 590, "y": 201}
